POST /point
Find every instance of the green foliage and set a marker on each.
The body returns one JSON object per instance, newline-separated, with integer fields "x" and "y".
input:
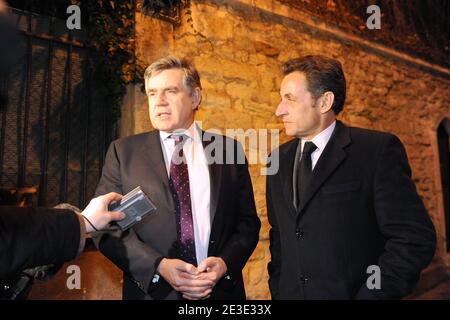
{"x": 164, "y": 7}
{"x": 112, "y": 39}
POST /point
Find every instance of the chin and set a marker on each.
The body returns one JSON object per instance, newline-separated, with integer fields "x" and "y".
{"x": 166, "y": 129}
{"x": 163, "y": 127}
{"x": 289, "y": 132}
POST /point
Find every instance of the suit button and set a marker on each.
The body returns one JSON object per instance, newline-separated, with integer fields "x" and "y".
{"x": 299, "y": 233}
{"x": 303, "y": 278}
{"x": 155, "y": 278}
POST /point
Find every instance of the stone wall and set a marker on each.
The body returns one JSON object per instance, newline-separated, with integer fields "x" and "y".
{"x": 238, "y": 47}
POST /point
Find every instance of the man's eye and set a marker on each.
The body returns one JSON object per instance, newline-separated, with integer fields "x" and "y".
{"x": 172, "y": 91}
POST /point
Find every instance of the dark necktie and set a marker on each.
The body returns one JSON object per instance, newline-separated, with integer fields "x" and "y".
{"x": 179, "y": 186}
{"x": 304, "y": 170}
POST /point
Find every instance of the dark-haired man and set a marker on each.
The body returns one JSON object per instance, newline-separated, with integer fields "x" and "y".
{"x": 347, "y": 222}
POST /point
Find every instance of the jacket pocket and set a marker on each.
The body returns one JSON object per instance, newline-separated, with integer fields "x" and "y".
{"x": 343, "y": 187}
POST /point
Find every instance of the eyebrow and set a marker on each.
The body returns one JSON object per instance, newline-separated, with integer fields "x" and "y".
{"x": 165, "y": 89}
{"x": 172, "y": 88}
{"x": 288, "y": 95}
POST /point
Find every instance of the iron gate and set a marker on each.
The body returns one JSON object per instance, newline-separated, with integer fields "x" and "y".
{"x": 54, "y": 128}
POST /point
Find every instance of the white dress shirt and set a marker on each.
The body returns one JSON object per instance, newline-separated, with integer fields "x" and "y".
{"x": 199, "y": 183}
{"x": 320, "y": 141}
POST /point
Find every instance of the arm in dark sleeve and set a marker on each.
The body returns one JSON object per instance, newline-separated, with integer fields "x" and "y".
{"x": 32, "y": 237}
{"x": 243, "y": 241}
{"x": 404, "y": 223}
{"x": 274, "y": 265}
{"x": 134, "y": 257}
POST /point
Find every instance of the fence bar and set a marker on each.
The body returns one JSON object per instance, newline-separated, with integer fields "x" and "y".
{"x": 23, "y": 153}
{"x": 44, "y": 152}
{"x": 63, "y": 195}
{"x": 84, "y": 154}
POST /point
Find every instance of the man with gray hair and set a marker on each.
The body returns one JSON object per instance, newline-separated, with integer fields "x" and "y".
{"x": 205, "y": 226}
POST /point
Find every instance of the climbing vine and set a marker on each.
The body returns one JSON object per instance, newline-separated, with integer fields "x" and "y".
{"x": 112, "y": 39}
{"x": 169, "y": 10}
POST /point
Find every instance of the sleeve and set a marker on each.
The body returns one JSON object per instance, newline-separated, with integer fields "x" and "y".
{"x": 80, "y": 220}
{"x": 273, "y": 266}
{"x": 404, "y": 223}
{"x": 31, "y": 237}
{"x": 245, "y": 237}
{"x": 82, "y": 234}
{"x": 135, "y": 258}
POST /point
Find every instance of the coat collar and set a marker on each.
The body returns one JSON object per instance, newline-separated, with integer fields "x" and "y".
{"x": 332, "y": 156}
{"x": 215, "y": 171}
{"x": 153, "y": 154}
{"x": 329, "y": 161}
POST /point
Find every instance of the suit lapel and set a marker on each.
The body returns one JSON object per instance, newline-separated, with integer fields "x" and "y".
{"x": 153, "y": 155}
{"x": 215, "y": 171}
{"x": 295, "y": 175}
{"x": 329, "y": 160}
{"x": 287, "y": 160}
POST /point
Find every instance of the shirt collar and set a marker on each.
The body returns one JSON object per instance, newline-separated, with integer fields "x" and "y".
{"x": 190, "y": 132}
{"x": 322, "y": 138}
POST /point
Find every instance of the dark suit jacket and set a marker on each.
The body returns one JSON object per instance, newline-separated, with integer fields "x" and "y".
{"x": 138, "y": 161}
{"x": 32, "y": 237}
{"x": 360, "y": 209}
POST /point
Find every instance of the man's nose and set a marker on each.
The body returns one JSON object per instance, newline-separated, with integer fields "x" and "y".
{"x": 161, "y": 98}
{"x": 281, "y": 109}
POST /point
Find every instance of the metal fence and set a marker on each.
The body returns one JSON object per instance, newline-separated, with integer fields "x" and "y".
{"x": 55, "y": 128}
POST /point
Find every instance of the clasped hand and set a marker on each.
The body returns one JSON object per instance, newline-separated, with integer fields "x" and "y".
{"x": 194, "y": 283}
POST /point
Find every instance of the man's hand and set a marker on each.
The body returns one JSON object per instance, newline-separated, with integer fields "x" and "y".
{"x": 184, "y": 278}
{"x": 212, "y": 268}
{"x": 97, "y": 212}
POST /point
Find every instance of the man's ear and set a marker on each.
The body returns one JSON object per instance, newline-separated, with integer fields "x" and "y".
{"x": 326, "y": 101}
{"x": 196, "y": 97}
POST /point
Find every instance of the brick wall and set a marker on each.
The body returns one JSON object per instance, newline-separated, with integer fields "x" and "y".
{"x": 238, "y": 47}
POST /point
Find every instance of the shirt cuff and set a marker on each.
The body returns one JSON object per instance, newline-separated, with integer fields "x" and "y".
{"x": 82, "y": 234}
